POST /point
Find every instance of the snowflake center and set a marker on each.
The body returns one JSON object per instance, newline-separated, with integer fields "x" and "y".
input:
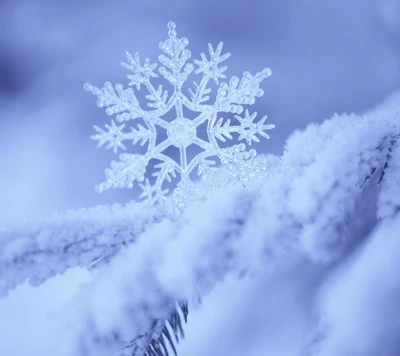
{"x": 181, "y": 132}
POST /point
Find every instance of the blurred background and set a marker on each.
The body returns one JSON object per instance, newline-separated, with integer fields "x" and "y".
{"x": 326, "y": 56}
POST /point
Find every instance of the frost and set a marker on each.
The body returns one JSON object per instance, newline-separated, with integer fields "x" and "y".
{"x": 181, "y": 131}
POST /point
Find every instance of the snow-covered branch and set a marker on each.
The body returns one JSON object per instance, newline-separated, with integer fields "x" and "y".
{"x": 38, "y": 250}
{"x": 321, "y": 200}
{"x": 357, "y": 311}
{"x": 332, "y": 185}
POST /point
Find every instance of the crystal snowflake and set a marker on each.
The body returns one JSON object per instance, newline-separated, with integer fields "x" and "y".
{"x": 181, "y": 131}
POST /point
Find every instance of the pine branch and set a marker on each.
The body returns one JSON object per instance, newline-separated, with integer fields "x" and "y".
{"x": 157, "y": 340}
{"x": 38, "y": 250}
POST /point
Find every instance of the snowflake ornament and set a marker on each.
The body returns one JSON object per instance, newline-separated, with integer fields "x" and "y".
{"x": 167, "y": 111}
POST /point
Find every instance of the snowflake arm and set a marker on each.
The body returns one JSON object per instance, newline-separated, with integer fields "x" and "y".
{"x": 113, "y": 136}
{"x": 117, "y": 101}
{"x": 200, "y": 95}
{"x": 206, "y": 168}
{"x": 202, "y": 162}
{"x": 157, "y": 98}
{"x": 165, "y": 170}
{"x": 231, "y": 97}
{"x": 248, "y": 129}
{"x": 223, "y": 131}
{"x": 132, "y": 167}
{"x": 210, "y": 70}
{"x": 123, "y": 173}
{"x": 141, "y": 134}
{"x": 175, "y": 69}
{"x": 210, "y": 67}
{"x": 152, "y": 194}
{"x": 143, "y": 75}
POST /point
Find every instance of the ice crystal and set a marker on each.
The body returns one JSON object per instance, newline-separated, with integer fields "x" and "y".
{"x": 181, "y": 132}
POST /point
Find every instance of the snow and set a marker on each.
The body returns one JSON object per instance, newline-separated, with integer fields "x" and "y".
{"x": 38, "y": 249}
{"x": 27, "y": 312}
{"x": 314, "y": 208}
{"x": 358, "y": 305}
